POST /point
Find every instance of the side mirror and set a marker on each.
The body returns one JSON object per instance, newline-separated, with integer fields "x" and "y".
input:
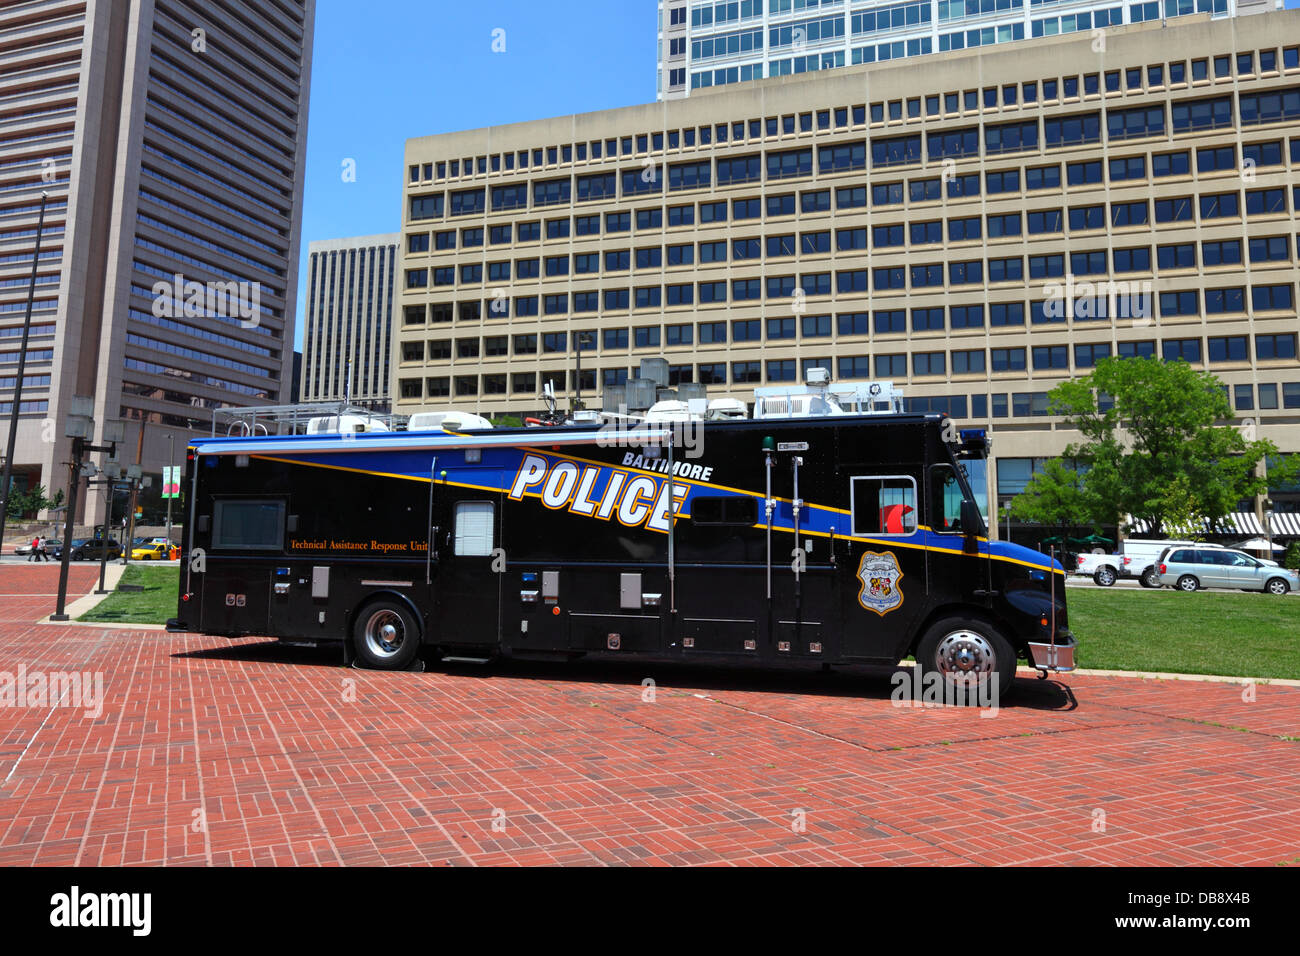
{"x": 972, "y": 523}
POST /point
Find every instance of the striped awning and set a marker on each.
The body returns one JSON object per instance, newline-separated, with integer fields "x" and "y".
{"x": 1286, "y": 524}
{"x": 1239, "y": 522}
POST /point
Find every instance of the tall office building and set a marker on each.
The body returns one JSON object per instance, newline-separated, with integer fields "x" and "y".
{"x": 720, "y": 42}
{"x": 170, "y": 136}
{"x": 347, "y": 347}
{"x": 976, "y": 227}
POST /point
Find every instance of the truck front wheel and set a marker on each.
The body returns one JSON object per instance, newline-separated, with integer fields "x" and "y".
{"x": 970, "y": 660}
{"x": 386, "y": 636}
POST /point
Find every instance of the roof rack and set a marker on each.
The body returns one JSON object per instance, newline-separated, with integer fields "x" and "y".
{"x": 253, "y": 420}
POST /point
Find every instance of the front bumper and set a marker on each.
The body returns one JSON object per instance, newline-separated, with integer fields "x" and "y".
{"x": 1057, "y": 658}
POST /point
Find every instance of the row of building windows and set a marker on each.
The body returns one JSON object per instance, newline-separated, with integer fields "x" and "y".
{"x": 753, "y": 249}
{"x": 1196, "y": 350}
{"x": 1173, "y": 75}
{"x": 1177, "y": 209}
{"x": 1078, "y": 300}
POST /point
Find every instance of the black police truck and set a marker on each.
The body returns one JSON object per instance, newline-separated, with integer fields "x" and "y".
{"x": 831, "y": 540}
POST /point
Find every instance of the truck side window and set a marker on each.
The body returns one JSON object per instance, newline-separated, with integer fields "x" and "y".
{"x": 945, "y": 500}
{"x": 245, "y": 525}
{"x": 717, "y": 509}
{"x": 474, "y": 521}
{"x": 883, "y": 505}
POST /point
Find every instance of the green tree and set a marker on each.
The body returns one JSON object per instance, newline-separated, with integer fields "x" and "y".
{"x": 24, "y": 504}
{"x": 1183, "y": 514}
{"x": 1156, "y": 449}
{"x": 1292, "y": 558}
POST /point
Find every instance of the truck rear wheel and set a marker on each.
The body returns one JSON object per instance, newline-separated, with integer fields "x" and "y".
{"x": 386, "y": 635}
{"x": 1150, "y": 578}
{"x": 1105, "y": 576}
{"x": 973, "y": 662}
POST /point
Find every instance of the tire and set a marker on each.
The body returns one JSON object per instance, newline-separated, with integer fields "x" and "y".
{"x": 1105, "y": 576}
{"x": 78, "y": 556}
{"x": 1187, "y": 584}
{"x": 386, "y": 636}
{"x": 976, "y": 663}
{"x": 1277, "y": 586}
{"x": 1150, "y": 578}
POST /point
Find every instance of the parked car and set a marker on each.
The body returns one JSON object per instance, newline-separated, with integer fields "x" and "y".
{"x": 1192, "y": 568}
{"x": 155, "y": 551}
{"x": 1104, "y": 569}
{"x": 1143, "y": 557}
{"x": 87, "y": 549}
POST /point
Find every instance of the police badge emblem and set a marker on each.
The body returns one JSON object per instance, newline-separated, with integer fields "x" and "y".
{"x": 880, "y": 577}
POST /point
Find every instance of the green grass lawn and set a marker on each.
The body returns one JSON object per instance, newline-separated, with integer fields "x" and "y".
{"x": 154, "y": 605}
{"x": 1209, "y": 632}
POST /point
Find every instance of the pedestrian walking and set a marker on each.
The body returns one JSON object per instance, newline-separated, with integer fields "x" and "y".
{"x": 32, "y": 555}
{"x": 44, "y": 543}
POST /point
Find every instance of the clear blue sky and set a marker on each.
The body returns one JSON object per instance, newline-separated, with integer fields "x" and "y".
{"x": 388, "y": 70}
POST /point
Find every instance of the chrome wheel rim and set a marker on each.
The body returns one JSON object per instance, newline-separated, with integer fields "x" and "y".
{"x": 965, "y": 657}
{"x": 385, "y": 633}
{"x": 1105, "y": 577}
{"x": 1277, "y": 587}
{"x": 1187, "y": 584}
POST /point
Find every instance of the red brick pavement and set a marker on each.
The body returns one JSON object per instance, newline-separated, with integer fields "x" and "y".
{"x": 217, "y": 752}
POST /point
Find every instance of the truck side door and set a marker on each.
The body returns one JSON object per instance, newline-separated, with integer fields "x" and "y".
{"x": 958, "y": 563}
{"x": 466, "y": 589}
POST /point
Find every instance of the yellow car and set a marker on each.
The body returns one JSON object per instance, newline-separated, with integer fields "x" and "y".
{"x": 149, "y": 552}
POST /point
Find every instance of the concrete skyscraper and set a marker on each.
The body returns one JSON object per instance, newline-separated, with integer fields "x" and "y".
{"x": 170, "y": 137}
{"x": 720, "y": 42}
{"x": 350, "y": 289}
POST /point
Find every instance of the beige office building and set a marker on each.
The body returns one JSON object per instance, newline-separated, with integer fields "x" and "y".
{"x": 976, "y": 227}
{"x": 170, "y": 136}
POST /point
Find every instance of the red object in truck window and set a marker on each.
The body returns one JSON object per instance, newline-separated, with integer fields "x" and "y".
{"x": 891, "y": 518}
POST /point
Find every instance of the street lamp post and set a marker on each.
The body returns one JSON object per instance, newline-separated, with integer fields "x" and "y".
{"x": 1268, "y": 524}
{"x": 79, "y": 426}
{"x": 112, "y": 472}
{"x": 171, "y": 454}
{"x": 6, "y": 483}
{"x": 136, "y": 481}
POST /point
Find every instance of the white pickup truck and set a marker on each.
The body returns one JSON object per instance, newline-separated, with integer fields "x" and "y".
{"x": 1104, "y": 569}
